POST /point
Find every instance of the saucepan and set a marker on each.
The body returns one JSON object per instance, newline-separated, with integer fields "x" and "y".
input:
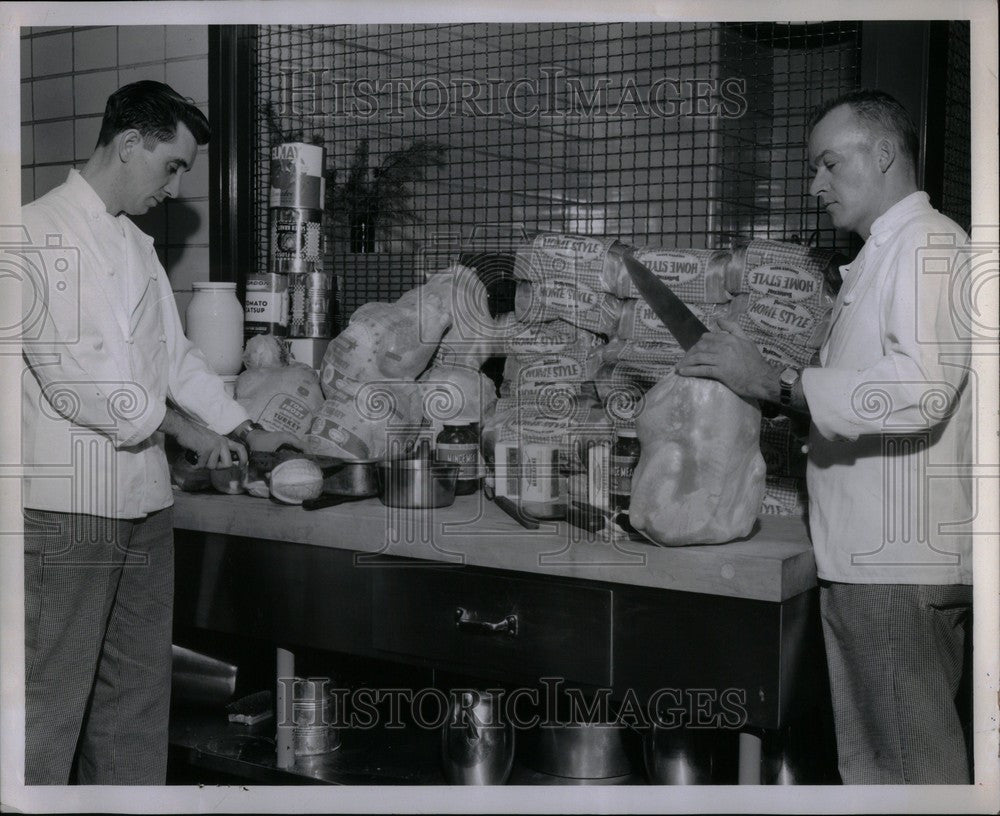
{"x": 417, "y": 483}
{"x": 343, "y": 480}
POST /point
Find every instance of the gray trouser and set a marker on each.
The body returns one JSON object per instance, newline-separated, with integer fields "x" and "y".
{"x": 895, "y": 655}
{"x": 97, "y": 631}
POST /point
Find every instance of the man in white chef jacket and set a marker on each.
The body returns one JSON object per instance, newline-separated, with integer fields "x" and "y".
{"x": 891, "y": 414}
{"x": 106, "y": 354}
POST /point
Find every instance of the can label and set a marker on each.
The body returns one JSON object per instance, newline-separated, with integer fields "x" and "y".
{"x": 463, "y": 454}
{"x": 266, "y": 304}
{"x": 297, "y": 176}
{"x": 506, "y": 470}
{"x": 309, "y": 305}
{"x": 295, "y": 235}
{"x": 310, "y": 327}
{"x": 598, "y": 455}
{"x": 622, "y": 469}
{"x": 540, "y": 473}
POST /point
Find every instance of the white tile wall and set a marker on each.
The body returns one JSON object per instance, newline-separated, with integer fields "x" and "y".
{"x": 25, "y": 59}
{"x": 189, "y": 78}
{"x": 52, "y": 55}
{"x": 95, "y": 48}
{"x": 92, "y": 91}
{"x": 185, "y": 265}
{"x": 86, "y": 131}
{"x": 27, "y": 185}
{"x": 140, "y": 44}
{"x": 53, "y": 98}
{"x": 54, "y": 142}
{"x": 27, "y": 145}
{"x": 186, "y": 41}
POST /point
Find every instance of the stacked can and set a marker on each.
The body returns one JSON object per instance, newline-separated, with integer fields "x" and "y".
{"x": 309, "y": 303}
{"x": 293, "y": 297}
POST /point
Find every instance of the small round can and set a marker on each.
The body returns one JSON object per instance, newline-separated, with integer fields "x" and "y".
{"x": 309, "y": 304}
{"x": 296, "y": 236}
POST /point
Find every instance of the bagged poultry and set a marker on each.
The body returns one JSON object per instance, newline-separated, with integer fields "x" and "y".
{"x": 396, "y": 341}
{"x": 455, "y": 393}
{"x": 700, "y": 475}
{"x": 279, "y": 393}
{"x": 383, "y": 341}
{"x": 378, "y": 418}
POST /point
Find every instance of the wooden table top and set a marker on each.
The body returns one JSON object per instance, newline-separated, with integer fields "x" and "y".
{"x": 773, "y": 564}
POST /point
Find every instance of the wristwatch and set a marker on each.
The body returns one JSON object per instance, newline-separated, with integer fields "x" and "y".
{"x": 787, "y": 380}
{"x": 242, "y": 431}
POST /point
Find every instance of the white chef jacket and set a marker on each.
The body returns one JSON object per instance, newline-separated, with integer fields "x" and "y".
{"x": 890, "y": 498}
{"x": 104, "y": 349}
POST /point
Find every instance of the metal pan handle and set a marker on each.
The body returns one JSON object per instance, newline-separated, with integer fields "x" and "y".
{"x": 329, "y": 500}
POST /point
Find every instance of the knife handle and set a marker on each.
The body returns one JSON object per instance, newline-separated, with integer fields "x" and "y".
{"x": 512, "y": 510}
{"x": 328, "y": 500}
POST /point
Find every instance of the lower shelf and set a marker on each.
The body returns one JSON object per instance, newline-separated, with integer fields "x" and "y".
{"x": 407, "y": 756}
{"x": 376, "y": 756}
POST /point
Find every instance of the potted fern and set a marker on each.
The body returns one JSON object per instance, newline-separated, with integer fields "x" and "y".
{"x": 375, "y": 203}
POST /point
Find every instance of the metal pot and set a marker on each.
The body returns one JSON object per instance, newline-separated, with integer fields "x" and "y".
{"x": 417, "y": 483}
{"x": 356, "y": 478}
{"x": 344, "y": 481}
{"x": 678, "y": 756}
{"x": 477, "y": 745}
{"x": 200, "y": 678}
{"x": 582, "y": 750}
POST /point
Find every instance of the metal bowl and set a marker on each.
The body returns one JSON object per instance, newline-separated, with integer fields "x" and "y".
{"x": 582, "y": 750}
{"x": 678, "y": 756}
{"x": 417, "y": 483}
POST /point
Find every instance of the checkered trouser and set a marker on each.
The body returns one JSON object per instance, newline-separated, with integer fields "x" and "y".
{"x": 895, "y": 655}
{"x": 98, "y": 618}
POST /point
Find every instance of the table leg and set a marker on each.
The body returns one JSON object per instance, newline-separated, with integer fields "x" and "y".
{"x": 282, "y": 708}
{"x": 749, "y": 759}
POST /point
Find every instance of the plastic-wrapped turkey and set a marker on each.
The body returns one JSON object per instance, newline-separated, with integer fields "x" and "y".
{"x": 396, "y": 341}
{"x": 369, "y": 370}
{"x": 700, "y": 476}
{"x": 456, "y": 394}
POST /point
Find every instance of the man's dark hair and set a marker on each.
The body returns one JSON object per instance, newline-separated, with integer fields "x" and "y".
{"x": 154, "y": 109}
{"x": 880, "y": 110}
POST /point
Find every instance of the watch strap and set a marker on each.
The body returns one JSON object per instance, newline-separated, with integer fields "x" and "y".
{"x": 242, "y": 431}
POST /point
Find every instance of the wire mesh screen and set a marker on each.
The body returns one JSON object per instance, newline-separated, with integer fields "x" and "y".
{"x": 441, "y": 136}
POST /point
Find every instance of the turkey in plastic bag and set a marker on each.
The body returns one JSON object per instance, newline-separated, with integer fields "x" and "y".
{"x": 700, "y": 475}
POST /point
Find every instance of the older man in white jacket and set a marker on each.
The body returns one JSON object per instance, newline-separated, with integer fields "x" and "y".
{"x": 105, "y": 354}
{"x": 889, "y": 449}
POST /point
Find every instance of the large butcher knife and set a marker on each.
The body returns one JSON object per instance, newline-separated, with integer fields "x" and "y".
{"x": 676, "y": 316}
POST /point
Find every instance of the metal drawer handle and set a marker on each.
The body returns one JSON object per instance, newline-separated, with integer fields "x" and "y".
{"x": 464, "y": 622}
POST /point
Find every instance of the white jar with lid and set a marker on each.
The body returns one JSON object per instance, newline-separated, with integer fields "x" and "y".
{"x": 215, "y": 325}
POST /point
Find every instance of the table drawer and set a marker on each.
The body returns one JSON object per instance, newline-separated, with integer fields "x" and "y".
{"x": 562, "y": 630}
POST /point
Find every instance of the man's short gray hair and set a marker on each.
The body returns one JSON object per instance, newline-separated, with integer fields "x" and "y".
{"x": 880, "y": 111}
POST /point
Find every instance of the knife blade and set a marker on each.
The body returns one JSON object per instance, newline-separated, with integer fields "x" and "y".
{"x": 676, "y": 316}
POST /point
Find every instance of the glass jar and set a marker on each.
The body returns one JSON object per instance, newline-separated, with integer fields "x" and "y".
{"x": 543, "y": 486}
{"x": 215, "y": 325}
{"x": 624, "y": 458}
{"x": 459, "y": 443}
